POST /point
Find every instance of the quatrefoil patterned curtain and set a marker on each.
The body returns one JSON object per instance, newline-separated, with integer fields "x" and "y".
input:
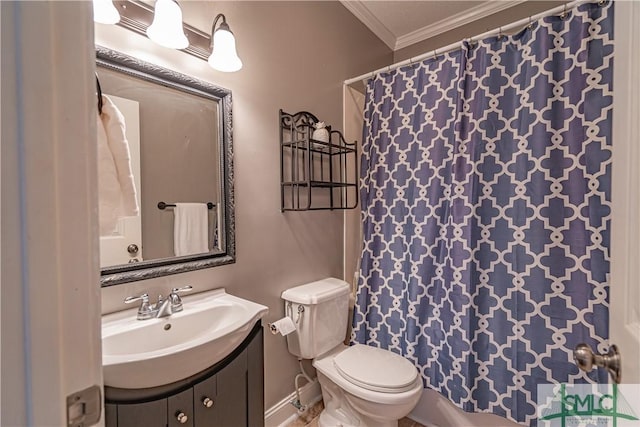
{"x": 486, "y": 198}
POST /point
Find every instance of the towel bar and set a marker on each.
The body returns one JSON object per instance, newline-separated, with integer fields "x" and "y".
{"x": 163, "y": 205}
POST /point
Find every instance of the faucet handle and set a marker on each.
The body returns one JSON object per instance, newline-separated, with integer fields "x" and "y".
{"x": 176, "y": 301}
{"x": 143, "y": 297}
{"x": 144, "y": 311}
{"x": 181, "y": 289}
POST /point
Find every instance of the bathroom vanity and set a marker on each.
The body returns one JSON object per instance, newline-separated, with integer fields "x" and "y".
{"x": 229, "y": 393}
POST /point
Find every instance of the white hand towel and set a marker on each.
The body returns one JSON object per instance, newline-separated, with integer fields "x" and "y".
{"x": 190, "y": 229}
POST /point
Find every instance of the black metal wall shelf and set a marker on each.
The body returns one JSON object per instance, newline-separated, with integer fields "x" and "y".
{"x": 314, "y": 174}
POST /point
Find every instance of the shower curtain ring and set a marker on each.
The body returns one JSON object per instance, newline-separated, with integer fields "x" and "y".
{"x": 602, "y": 2}
{"x": 471, "y": 43}
{"x": 435, "y": 53}
{"x": 530, "y": 26}
{"x": 563, "y": 16}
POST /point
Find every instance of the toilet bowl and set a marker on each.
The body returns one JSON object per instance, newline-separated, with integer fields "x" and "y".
{"x": 380, "y": 391}
{"x": 362, "y": 386}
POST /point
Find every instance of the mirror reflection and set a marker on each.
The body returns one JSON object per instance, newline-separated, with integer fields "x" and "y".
{"x": 173, "y": 168}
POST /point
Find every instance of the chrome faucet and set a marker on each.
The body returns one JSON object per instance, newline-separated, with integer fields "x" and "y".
{"x": 163, "y": 308}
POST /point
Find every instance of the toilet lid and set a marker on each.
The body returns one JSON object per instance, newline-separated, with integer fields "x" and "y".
{"x": 376, "y": 369}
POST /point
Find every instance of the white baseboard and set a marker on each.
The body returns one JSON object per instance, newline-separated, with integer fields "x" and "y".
{"x": 284, "y": 413}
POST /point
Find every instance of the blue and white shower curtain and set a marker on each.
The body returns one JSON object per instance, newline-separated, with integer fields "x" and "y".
{"x": 486, "y": 198}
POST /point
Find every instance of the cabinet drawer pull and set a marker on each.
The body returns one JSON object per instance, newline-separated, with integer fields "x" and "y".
{"x": 207, "y": 402}
{"x": 182, "y": 417}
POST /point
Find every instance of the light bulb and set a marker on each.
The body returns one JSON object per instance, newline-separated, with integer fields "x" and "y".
{"x": 105, "y": 12}
{"x": 166, "y": 29}
{"x": 224, "y": 56}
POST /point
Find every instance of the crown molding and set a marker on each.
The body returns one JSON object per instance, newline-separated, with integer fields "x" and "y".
{"x": 458, "y": 20}
{"x": 362, "y": 12}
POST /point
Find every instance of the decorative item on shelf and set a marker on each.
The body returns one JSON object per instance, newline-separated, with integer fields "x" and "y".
{"x": 320, "y": 133}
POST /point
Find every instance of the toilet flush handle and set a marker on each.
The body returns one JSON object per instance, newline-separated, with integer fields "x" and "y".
{"x": 290, "y": 311}
{"x": 300, "y": 311}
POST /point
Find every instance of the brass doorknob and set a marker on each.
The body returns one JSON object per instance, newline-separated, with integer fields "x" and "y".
{"x": 133, "y": 249}
{"x": 585, "y": 358}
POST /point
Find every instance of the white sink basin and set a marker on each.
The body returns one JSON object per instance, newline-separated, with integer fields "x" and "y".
{"x": 150, "y": 353}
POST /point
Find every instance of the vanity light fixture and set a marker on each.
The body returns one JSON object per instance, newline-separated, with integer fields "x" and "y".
{"x": 166, "y": 29}
{"x": 224, "y": 56}
{"x": 105, "y": 12}
{"x": 217, "y": 47}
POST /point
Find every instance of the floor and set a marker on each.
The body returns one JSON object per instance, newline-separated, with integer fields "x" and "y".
{"x": 310, "y": 418}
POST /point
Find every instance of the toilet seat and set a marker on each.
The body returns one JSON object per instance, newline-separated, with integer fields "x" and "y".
{"x": 326, "y": 367}
{"x": 376, "y": 369}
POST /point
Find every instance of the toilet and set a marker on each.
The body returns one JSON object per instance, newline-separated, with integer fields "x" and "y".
{"x": 361, "y": 385}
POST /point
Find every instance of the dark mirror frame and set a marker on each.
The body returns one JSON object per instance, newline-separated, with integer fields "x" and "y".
{"x": 114, "y": 275}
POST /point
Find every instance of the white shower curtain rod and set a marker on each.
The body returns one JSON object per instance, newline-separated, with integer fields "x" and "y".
{"x": 457, "y": 45}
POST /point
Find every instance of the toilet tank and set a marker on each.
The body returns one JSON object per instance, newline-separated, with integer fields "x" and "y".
{"x": 319, "y": 311}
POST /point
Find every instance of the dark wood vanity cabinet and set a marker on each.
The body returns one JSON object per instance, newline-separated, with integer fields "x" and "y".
{"x": 229, "y": 394}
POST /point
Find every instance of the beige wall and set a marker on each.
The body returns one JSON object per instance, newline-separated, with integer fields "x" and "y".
{"x": 506, "y": 17}
{"x": 296, "y": 56}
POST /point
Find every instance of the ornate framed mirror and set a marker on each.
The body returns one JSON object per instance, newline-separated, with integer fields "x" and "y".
{"x": 179, "y": 131}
